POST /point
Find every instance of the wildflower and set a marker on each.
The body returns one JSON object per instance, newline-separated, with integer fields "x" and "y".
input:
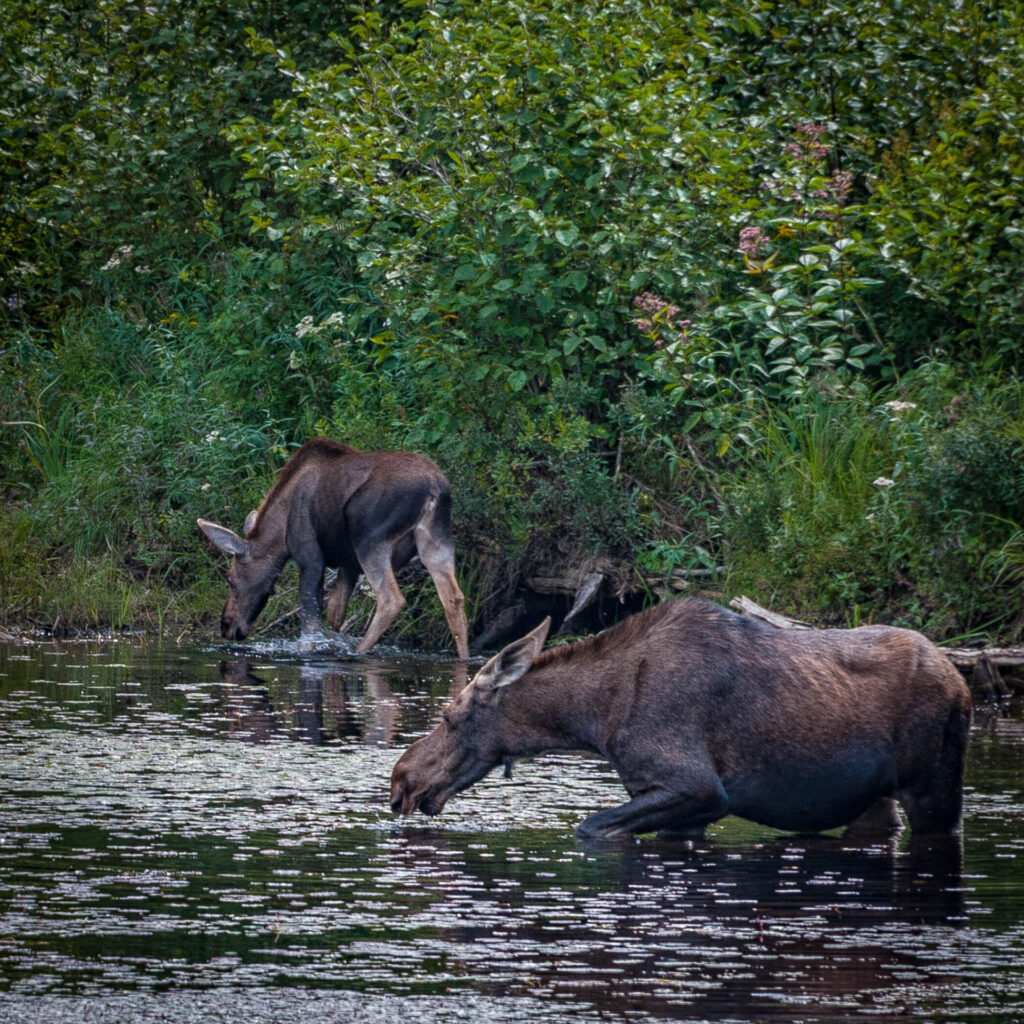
{"x": 648, "y": 302}
{"x": 811, "y": 129}
{"x": 120, "y": 256}
{"x": 751, "y": 240}
{"x": 808, "y": 147}
{"x": 304, "y": 326}
{"x": 660, "y": 315}
{"x": 883, "y": 481}
{"x": 900, "y": 406}
{"x": 212, "y": 436}
{"x": 842, "y": 182}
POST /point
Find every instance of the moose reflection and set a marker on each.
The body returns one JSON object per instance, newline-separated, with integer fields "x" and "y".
{"x": 324, "y": 707}
{"x": 359, "y": 512}
{"x": 705, "y": 713}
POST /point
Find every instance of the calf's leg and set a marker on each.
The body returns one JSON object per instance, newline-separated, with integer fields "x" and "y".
{"x": 437, "y": 553}
{"x": 337, "y": 601}
{"x": 311, "y": 592}
{"x": 376, "y": 563}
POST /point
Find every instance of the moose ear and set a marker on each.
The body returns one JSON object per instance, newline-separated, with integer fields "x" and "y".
{"x": 227, "y": 540}
{"x": 512, "y": 662}
{"x": 250, "y": 522}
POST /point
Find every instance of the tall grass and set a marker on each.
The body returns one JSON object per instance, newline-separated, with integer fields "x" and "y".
{"x": 801, "y": 505}
{"x": 849, "y": 509}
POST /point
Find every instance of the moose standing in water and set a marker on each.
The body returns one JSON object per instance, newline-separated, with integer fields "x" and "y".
{"x": 335, "y": 507}
{"x": 705, "y": 713}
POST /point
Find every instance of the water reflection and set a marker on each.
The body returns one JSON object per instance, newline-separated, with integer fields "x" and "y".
{"x": 324, "y": 696}
{"x": 181, "y": 831}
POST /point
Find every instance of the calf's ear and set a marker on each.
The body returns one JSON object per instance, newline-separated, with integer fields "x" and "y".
{"x": 512, "y": 662}
{"x": 227, "y": 540}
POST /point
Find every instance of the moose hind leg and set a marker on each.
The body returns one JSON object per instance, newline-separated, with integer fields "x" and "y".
{"x": 437, "y": 553}
{"x": 338, "y": 598}
{"x": 388, "y": 599}
{"x": 659, "y": 810}
{"x": 934, "y": 799}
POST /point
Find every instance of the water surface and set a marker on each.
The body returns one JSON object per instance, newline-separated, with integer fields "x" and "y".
{"x": 204, "y": 834}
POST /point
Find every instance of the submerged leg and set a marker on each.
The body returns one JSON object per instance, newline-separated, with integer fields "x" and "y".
{"x": 659, "y": 810}
{"x": 934, "y": 799}
{"x": 880, "y": 819}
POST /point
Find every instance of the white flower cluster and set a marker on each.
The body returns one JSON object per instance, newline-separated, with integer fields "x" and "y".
{"x": 122, "y": 255}
{"x": 307, "y": 325}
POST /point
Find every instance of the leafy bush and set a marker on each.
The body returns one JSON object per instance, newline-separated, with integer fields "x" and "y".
{"x": 643, "y": 280}
{"x": 855, "y": 508}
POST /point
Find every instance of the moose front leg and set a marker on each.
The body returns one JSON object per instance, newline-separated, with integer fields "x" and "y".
{"x": 311, "y": 591}
{"x": 659, "y": 809}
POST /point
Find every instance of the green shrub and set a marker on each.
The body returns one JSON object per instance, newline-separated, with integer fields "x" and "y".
{"x": 892, "y": 508}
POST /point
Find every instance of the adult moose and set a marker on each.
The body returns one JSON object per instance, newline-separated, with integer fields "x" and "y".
{"x": 705, "y": 713}
{"x": 335, "y": 507}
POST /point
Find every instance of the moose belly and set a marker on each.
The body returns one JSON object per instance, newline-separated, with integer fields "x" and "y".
{"x": 803, "y": 795}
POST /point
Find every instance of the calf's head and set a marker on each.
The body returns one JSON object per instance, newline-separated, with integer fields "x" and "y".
{"x": 472, "y": 737}
{"x": 250, "y": 578}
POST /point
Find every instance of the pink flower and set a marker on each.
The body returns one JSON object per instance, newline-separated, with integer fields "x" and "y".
{"x": 842, "y": 182}
{"x": 751, "y": 240}
{"x": 811, "y": 129}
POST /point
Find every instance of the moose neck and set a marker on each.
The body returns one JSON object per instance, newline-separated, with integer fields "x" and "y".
{"x": 269, "y": 540}
{"x": 560, "y": 704}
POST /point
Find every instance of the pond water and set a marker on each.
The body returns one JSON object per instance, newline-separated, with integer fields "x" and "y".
{"x": 204, "y": 834}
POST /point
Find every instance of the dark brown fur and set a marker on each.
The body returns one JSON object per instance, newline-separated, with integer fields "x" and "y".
{"x": 333, "y": 506}
{"x": 705, "y": 713}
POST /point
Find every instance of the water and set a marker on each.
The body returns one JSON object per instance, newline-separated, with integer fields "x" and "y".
{"x": 185, "y": 837}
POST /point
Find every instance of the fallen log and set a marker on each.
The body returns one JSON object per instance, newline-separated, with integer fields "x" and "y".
{"x": 979, "y": 665}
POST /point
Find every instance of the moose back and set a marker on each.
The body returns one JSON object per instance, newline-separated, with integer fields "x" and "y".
{"x": 359, "y": 512}
{"x": 705, "y": 713}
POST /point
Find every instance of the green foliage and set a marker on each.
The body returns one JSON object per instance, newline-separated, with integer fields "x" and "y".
{"x": 641, "y": 277}
{"x": 897, "y": 510}
{"x": 500, "y": 188}
{"x": 111, "y": 153}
